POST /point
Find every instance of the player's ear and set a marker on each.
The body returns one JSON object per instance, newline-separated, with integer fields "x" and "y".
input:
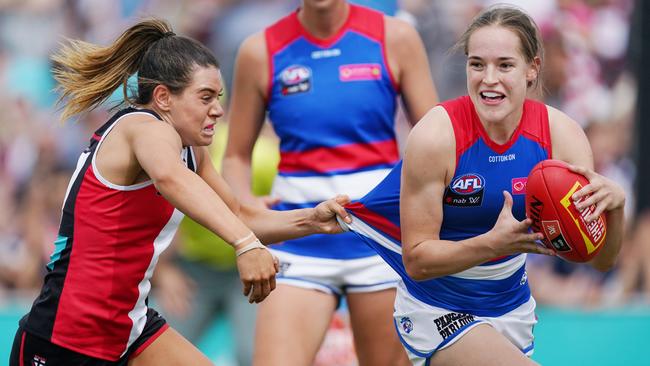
{"x": 533, "y": 71}
{"x": 161, "y": 97}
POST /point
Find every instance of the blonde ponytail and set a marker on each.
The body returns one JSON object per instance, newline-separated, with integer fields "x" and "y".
{"x": 87, "y": 74}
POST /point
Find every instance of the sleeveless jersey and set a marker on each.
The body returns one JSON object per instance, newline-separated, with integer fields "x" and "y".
{"x": 332, "y": 103}
{"x": 471, "y": 204}
{"x": 94, "y": 297}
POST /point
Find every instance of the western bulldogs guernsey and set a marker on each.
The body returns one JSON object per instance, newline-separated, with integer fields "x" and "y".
{"x": 471, "y": 204}
{"x": 95, "y": 292}
{"x": 332, "y": 103}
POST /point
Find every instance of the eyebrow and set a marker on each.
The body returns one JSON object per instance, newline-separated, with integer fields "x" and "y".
{"x": 210, "y": 90}
{"x": 504, "y": 58}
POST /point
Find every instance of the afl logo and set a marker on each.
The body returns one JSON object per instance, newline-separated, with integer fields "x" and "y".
{"x": 467, "y": 184}
{"x": 295, "y": 74}
{"x": 465, "y": 191}
{"x": 295, "y": 79}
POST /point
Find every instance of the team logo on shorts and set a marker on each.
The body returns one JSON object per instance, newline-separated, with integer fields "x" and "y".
{"x": 38, "y": 361}
{"x": 465, "y": 191}
{"x": 295, "y": 79}
{"x": 524, "y": 278}
{"x": 407, "y": 324}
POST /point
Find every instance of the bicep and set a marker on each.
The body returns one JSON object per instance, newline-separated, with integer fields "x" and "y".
{"x": 420, "y": 203}
{"x": 423, "y": 183}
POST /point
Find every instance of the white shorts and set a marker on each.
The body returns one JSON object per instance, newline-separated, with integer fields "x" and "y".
{"x": 335, "y": 276}
{"x": 424, "y": 329}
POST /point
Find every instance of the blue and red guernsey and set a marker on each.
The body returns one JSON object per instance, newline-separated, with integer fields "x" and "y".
{"x": 471, "y": 204}
{"x": 332, "y": 102}
{"x": 94, "y": 297}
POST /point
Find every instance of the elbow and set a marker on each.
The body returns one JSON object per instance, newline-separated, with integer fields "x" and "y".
{"x": 603, "y": 265}
{"x": 414, "y": 269}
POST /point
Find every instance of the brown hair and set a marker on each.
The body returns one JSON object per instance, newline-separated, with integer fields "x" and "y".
{"x": 87, "y": 74}
{"x": 514, "y": 19}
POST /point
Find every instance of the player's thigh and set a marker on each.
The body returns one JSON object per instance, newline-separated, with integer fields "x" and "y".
{"x": 170, "y": 349}
{"x": 291, "y": 325}
{"x": 482, "y": 345}
{"x": 375, "y": 338}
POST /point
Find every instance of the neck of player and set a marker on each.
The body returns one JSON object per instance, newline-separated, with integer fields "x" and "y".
{"x": 324, "y": 22}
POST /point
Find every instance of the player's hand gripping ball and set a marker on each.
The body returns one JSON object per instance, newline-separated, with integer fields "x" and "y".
{"x": 549, "y": 204}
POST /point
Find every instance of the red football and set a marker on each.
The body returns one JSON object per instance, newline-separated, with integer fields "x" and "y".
{"x": 548, "y": 203}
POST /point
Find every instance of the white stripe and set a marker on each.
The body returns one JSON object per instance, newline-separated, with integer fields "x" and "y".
{"x": 80, "y": 163}
{"x": 360, "y": 227}
{"x": 306, "y": 284}
{"x": 371, "y": 288}
{"x": 139, "y": 312}
{"x": 316, "y": 189}
{"x": 497, "y": 271}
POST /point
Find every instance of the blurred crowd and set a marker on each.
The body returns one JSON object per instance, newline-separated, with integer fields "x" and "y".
{"x": 586, "y": 73}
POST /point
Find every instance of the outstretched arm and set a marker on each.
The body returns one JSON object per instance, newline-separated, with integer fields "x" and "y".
{"x": 157, "y": 147}
{"x": 273, "y": 226}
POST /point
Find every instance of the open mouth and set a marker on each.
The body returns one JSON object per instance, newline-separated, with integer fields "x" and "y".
{"x": 209, "y": 129}
{"x": 492, "y": 97}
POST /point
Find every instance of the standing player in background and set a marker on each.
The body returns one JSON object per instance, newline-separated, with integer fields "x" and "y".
{"x": 460, "y": 250}
{"x": 329, "y": 75}
{"x": 143, "y": 169}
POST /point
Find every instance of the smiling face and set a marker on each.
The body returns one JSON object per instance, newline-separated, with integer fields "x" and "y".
{"x": 498, "y": 74}
{"x": 194, "y": 112}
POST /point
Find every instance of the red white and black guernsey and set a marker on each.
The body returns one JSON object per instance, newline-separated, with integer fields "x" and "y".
{"x": 94, "y": 300}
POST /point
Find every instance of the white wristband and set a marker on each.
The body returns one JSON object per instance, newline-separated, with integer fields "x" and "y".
{"x": 257, "y": 244}
{"x": 242, "y": 240}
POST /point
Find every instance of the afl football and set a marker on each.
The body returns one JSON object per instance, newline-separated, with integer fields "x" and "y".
{"x": 549, "y": 204}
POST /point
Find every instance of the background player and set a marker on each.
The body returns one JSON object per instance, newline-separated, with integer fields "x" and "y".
{"x": 464, "y": 296}
{"x": 119, "y": 213}
{"x": 328, "y": 74}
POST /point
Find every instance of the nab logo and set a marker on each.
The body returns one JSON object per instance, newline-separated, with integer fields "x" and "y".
{"x": 295, "y": 79}
{"x": 468, "y": 184}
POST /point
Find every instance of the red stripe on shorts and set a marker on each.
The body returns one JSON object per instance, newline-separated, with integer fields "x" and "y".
{"x": 146, "y": 344}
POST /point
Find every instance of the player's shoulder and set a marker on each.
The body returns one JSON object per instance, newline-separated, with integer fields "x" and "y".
{"x": 399, "y": 28}
{"x": 399, "y": 32}
{"x": 434, "y": 133}
{"x": 146, "y": 125}
{"x": 561, "y": 124}
{"x": 253, "y": 47}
